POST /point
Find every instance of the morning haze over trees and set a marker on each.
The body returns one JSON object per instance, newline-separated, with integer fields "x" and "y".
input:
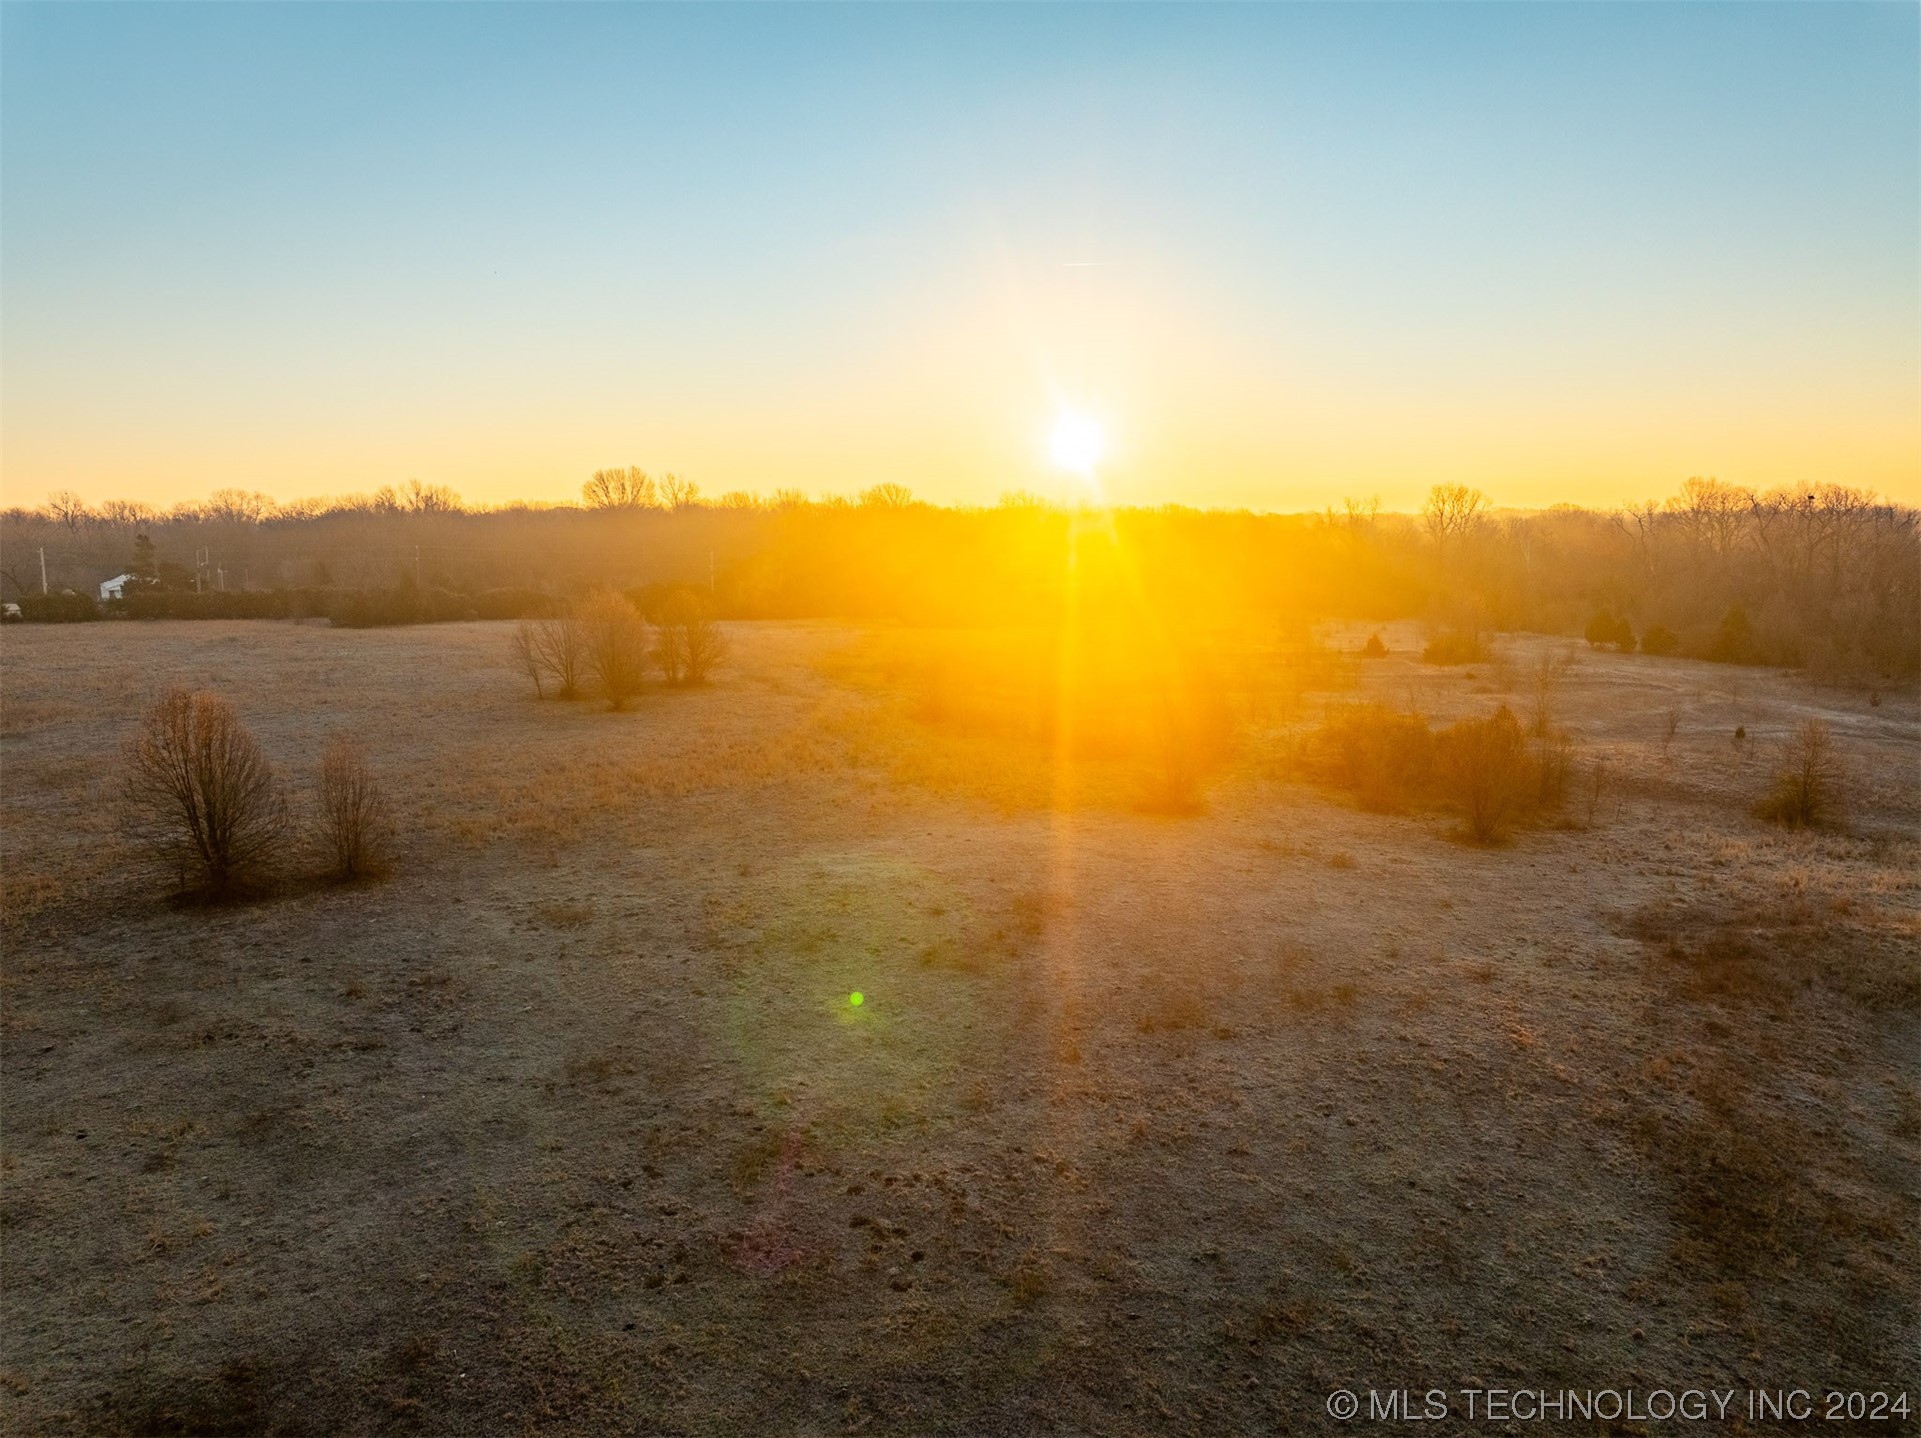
{"x": 1823, "y": 577}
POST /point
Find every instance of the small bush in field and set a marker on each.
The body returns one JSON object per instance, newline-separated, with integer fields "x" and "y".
{"x": 1190, "y": 733}
{"x": 354, "y": 826}
{"x": 1545, "y": 681}
{"x": 1484, "y": 771}
{"x": 1374, "y": 649}
{"x": 1807, "y": 787}
{"x": 526, "y": 650}
{"x": 202, "y": 793}
{"x": 1456, "y": 646}
{"x": 1608, "y": 630}
{"x": 690, "y": 644}
{"x": 1383, "y": 758}
{"x": 560, "y": 640}
{"x": 1659, "y": 640}
{"x": 1486, "y": 768}
{"x": 615, "y": 644}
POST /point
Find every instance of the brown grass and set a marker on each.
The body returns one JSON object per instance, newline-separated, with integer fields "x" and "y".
{"x": 1155, "y": 1126}
{"x": 1758, "y": 1183}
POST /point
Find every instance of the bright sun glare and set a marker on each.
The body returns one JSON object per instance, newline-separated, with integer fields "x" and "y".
{"x": 1077, "y": 444}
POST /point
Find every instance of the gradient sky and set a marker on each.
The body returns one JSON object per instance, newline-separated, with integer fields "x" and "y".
{"x": 1286, "y": 253}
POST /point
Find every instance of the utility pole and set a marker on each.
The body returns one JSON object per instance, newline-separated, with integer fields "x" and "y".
{"x": 43, "y": 569}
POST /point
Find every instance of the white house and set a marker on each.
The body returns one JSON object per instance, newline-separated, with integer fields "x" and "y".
{"x": 116, "y": 588}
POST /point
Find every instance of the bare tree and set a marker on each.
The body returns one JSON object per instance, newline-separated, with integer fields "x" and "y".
{"x": 1715, "y": 514}
{"x": 354, "y": 824}
{"x": 691, "y": 644}
{"x": 418, "y": 498}
{"x": 678, "y": 493}
{"x": 413, "y": 497}
{"x": 128, "y": 513}
{"x": 888, "y": 496}
{"x": 236, "y": 506}
{"x": 1549, "y": 669}
{"x": 629, "y": 488}
{"x": 616, "y": 644}
{"x": 68, "y": 508}
{"x": 1451, "y": 511}
{"x": 202, "y": 793}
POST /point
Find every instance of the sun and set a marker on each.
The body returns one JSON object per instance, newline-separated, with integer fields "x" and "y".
{"x": 1078, "y": 443}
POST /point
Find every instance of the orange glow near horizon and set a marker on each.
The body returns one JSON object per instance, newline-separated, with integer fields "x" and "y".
{"x": 948, "y": 397}
{"x": 1283, "y": 255}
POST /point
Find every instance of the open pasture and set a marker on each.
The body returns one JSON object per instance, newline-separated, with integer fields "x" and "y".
{"x": 1148, "y": 1120}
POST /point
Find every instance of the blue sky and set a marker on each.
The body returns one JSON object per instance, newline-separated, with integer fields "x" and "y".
{"x": 1284, "y": 253}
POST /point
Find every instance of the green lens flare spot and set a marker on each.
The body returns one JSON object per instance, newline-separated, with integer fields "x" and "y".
{"x": 857, "y": 998}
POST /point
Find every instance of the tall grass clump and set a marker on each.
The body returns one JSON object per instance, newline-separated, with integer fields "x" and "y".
{"x": 202, "y": 794}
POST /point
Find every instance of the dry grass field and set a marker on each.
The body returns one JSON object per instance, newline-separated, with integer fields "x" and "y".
{"x": 1149, "y": 1121}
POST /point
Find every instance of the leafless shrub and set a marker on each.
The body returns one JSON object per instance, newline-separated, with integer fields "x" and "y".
{"x": 1807, "y": 789}
{"x": 615, "y": 644}
{"x": 1553, "y": 771}
{"x": 1545, "y": 678}
{"x": 1383, "y": 758}
{"x": 560, "y": 640}
{"x": 1484, "y": 771}
{"x": 355, "y": 828}
{"x": 690, "y": 643}
{"x": 1670, "y": 726}
{"x": 1189, "y": 734}
{"x": 1594, "y": 788}
{"x": 525, "y": 646}
{"x": 202, "y": 793}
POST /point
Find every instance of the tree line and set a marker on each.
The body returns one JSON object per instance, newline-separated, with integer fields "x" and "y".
{"x": 1823, "y": 576}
